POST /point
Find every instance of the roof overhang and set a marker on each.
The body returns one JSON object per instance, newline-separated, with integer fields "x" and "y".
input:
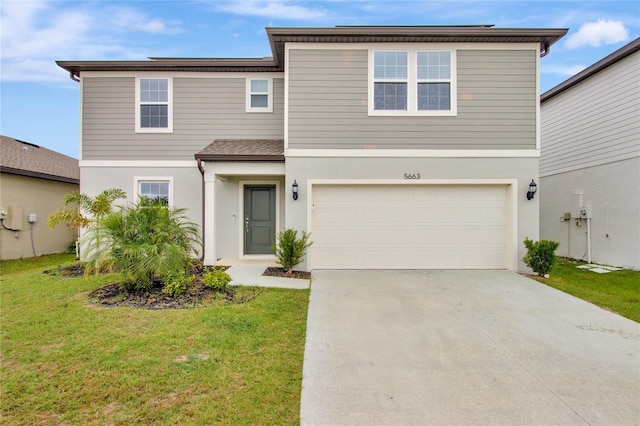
{"x": 278, "y": 37}
{"x": 38, "y": 175}
{"x": 247, "y": 150}
{"x": 602, "y": 64}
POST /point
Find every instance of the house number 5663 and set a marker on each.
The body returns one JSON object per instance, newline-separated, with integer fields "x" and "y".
{"x": 412, "y": 175}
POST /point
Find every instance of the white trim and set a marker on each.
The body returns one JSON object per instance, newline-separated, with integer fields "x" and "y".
{"x": 169, "y": 103}
{"x": 286, "y": 97}
{"x": 269, "y": 93}
{"x": 138, "y": 163}
{"x": 411, "y": 153}
{"x": 209, "y": 223}
{"x": 538, "y": 97}
{"x": 81, "y": 118}
{"x": 511, "y": 253}
{"x": 242, "y": 169}
{"x": 241, "y": 185}
{"x": 412, "y": 83}
{"x": 180, "y": 74}
{"x": 138, "y": 179}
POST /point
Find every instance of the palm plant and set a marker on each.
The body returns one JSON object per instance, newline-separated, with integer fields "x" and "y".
{"x": 146, "y": 241}
{"x": 89, "y": 209}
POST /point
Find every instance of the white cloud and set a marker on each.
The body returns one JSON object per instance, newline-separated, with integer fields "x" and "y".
{"x": 280, "y": 9}
{"x": 35, "y": 34}
{"x": 598, "y": 33}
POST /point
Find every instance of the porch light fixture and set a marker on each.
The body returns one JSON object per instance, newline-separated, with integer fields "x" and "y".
{"x": 294, "y": 189}
{"x": 533, "y": 188}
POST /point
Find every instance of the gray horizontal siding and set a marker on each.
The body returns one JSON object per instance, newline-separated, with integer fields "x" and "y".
{"x": 328, "y": 98}
{"x": 204, "y": 109}
{"x": 593, "y": 123}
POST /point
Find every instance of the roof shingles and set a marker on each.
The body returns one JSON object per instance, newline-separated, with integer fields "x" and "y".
{"x": 27, "y": 159}
{"x": 243, "y": 150}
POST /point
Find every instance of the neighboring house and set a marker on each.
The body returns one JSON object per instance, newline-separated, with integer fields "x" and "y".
{"x": 409, "y": 147}
{"x": 33, "y": 181}
{"x": 590, "y": 161}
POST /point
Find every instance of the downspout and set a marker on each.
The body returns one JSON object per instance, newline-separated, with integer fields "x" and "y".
{"x": 201, "y": 168}
{"x": 544, "y": 49}
{"x": 75, "y": 77}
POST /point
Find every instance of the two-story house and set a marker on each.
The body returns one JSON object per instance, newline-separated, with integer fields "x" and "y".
{"x": 396, "y": 147}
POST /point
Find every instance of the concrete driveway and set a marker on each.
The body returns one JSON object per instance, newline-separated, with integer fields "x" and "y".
{"x": 458, "y": 347}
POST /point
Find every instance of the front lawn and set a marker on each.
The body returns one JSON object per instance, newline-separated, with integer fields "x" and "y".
{"x": 617, "y": 291}
{"x": 65, "y": 361}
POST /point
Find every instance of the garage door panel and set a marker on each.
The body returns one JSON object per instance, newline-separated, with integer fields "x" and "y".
{"x": 409, "y": 226}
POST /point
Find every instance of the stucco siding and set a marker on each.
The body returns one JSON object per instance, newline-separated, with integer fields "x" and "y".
{"x": 593, "y": 123}
{"x": 615, "y": 207}
{"x": 204, "y": 109}
{"x": 328, "y": 107}
{"x": 391, "y": 170}
{"x": 34, "y": 196}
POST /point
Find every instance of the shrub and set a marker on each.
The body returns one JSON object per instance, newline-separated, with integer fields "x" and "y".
{"x": 217, "y": 280}
{"x": 176, "y": 285}
{"x": 289, "y": 250}
{"x": 146, "y": 242}
{"x": 540, "y": 255}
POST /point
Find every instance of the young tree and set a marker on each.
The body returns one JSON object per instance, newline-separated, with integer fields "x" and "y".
{"x": 146, "y": 242}
{"x": 89, "y": 209}
{"x": 289, "y": 250}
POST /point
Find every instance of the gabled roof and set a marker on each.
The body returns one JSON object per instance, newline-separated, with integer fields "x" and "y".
{"x": 340, "y": 34}
{"x": 602, "y": 64}
{"x": 243, "y": 150}
{"x": 27, "y": 159}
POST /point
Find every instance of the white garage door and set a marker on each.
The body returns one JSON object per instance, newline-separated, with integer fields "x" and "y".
{"x": 409, "y": 227}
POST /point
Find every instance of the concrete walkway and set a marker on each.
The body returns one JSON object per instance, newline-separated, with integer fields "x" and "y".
{"x": 463, "y": 348}
{"x": 252, "y": 275}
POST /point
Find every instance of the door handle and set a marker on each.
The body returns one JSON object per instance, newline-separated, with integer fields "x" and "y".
{"x": 246, "y": 223}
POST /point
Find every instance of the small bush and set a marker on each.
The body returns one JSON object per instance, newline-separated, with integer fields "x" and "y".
{"x": 217, "y": 280}
{"x": 177, "y": 285}
{"x": 289, "y": 250}
{"x": 541, "y": 255}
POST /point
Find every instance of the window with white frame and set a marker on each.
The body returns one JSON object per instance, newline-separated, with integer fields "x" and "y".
{"x": 156, "y": 189}
{"x": 412, "y": 82}
{"x": 259, "y": 95}
{"x": 390, "y": 80}
{"x": 154, "y": 109}
{"x": 434, "y": 81}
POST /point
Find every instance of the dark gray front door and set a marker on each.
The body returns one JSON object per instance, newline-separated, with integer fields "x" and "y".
{"x": 259, "y": 218}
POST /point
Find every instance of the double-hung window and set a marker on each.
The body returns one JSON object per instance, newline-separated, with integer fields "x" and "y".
{"x": 259, "y": 96}
{"x": 154, "y": 109}
{"x": 434, "y": 81}
{"x": 390, "y": 80}
{"x": 412, "y": 82}
{"x": 155, "y": 189}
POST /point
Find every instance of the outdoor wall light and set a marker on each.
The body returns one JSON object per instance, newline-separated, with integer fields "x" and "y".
{"x": 294, "y": 189}
{"x": 533, "y": 188}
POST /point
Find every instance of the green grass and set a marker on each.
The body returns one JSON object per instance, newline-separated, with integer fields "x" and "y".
{"x": 617, "y": 291}
{"x": 47, "y": 260}
{"x": 65, "y": 361}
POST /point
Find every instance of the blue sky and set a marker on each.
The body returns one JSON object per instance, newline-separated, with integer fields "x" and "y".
{"x": 39, "y": 103}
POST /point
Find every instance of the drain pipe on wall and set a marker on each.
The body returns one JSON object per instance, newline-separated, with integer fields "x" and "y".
{"x": 201, "y": 168}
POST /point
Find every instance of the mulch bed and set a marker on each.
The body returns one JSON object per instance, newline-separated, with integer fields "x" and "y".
{"x": 197, "y": 295}
{"x": 280, "y": 272}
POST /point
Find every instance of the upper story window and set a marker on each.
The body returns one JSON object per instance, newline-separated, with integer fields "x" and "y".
{"x": 390, "y": 76}
{"x": 154, "y": 111}
{"x": 155, "y": 188}
{"x": 259, "y": 97}
{"x": 412, "y": 82}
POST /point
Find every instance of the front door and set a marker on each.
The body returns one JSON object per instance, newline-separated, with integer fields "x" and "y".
{"x": 259, "y": 218}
